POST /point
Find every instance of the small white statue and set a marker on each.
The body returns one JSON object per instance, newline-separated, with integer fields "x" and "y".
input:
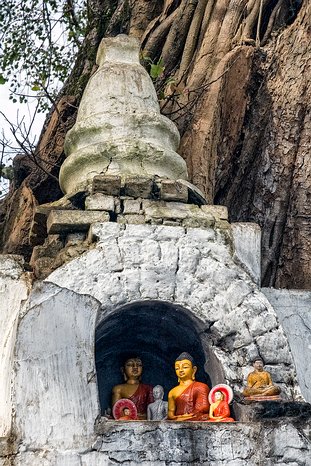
{"x": 157, "y": 411}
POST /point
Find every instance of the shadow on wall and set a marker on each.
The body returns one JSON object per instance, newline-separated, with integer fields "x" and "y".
{"x": 155, "y": 331}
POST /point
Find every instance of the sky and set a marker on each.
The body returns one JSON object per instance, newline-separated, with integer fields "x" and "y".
{"x": 14, "y": 113}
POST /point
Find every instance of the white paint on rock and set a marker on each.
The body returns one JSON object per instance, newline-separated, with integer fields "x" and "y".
{"x": 293, "y": 308}
{"x": 56, "y": 400}
{"x": 13, "y": 291}
{"x": 195, "y": 269}
{"x": 247, "y": 245}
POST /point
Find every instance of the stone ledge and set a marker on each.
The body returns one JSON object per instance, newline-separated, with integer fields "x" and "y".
{"x": 193, "y": 443}
{"x": 69, "y": 221}
{"x": 102, "y": 208}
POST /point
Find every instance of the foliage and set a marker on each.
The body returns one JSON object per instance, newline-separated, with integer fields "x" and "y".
{"x": 39, "y": 41}
{"x": 6, "y": 174}
{"x": 156, "y": 69}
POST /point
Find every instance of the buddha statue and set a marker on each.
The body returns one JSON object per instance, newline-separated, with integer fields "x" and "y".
{"x": 219, "y": 409}
{"x": 139, "y": 393}
{"x": 157, "y": 411}
{"x": 126, "y": 415}
{"x": 188, "y": 401}
{"x": 259, "y": 382}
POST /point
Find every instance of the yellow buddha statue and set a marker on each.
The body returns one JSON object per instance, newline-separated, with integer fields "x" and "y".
{"x": 188, "y": 401}
{"x": 259, "y": 382}
{"x": 139, "y": 393}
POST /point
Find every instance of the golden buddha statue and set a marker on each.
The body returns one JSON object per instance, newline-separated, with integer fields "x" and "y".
{"x": 259, "y": 382}
{"x": 139, "y": 393}
{"x": 189, "y": 400}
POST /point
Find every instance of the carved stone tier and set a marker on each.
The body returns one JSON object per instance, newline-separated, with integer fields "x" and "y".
{"x": 119, "y": 128}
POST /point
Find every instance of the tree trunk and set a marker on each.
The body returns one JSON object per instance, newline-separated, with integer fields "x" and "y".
{"x": 238, "y": 90}
{"x": 270, "y": 170}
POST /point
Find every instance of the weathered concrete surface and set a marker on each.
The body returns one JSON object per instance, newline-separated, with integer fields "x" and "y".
{"x": 119, "y": 129}
{"x": 293, "y": 308}
{"x": 238, "y": 444}
{"x": 170, "y": 444}
{"x": 55, "y": 396}
{"x": 14, "y": 286}
{"x": 193, "y": 268}
{"x": 247, "y": 244}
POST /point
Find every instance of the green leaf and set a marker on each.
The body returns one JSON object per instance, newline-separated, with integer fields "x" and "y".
{"x": 36, "y": 87}
{"x": 7, "y": 173}
{"x": 2, "y": 79}
{"x": 156, "y": 71}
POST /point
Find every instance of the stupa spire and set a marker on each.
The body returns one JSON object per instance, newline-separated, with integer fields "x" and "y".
{"x": 119, "y": 129}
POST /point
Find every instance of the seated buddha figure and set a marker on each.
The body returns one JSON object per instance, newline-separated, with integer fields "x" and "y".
{"x": 157, "y": 411}
{"x": 259, "y": 382}
{"x": 139, "y": 393}
{"x": 188, "y": 401}
{"x": 219, "y": 410}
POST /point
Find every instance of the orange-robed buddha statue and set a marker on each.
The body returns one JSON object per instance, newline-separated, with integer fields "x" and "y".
{"x": 189, "y": 400}
{"x": 259, "y": 382}
{"x": 139, "y": 393}
{"x": 219, "y": 410}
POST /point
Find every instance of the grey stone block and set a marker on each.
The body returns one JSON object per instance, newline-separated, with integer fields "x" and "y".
{"x": 131, "y": 206}
{"x": 135, "y": 219}
{"x": 69, "y": 221}
{"x": 42, "y": 267}
{"x": 222, "y": 224}
{"x": 75, "y": 238}
{"x": 171, "y": 190}
{"x": 107, "y": 184}
{"x": 138, "y": 186}
{"x": 220, "y": 212}
{"x": 198, "y": 222}
{"x": 100, "y": 201}
{"x": 171, "y": 223}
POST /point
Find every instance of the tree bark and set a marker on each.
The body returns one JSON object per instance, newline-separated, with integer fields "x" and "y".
{"x": 272, "y": 170}
{"x": 238, "y": 90}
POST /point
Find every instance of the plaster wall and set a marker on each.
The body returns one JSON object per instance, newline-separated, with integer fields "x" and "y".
{"x": 293, "y": 308}
{"x": 13, "y": 291}
{"x": 55, "y": 396}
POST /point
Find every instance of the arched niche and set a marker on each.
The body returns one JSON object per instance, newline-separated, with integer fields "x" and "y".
{"x": 155, "y": 331}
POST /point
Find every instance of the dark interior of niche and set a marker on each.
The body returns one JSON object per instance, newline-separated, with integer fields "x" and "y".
{"x": 157, "y": 332}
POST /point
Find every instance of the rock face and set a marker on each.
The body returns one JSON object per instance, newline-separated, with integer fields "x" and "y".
{"x": 119, "y": 128}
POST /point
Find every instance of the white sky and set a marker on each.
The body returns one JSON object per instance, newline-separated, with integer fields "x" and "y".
{"x": 15, "y": 112}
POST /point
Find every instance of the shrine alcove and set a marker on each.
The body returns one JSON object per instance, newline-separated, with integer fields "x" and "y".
{"x": 155, "y": 331}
